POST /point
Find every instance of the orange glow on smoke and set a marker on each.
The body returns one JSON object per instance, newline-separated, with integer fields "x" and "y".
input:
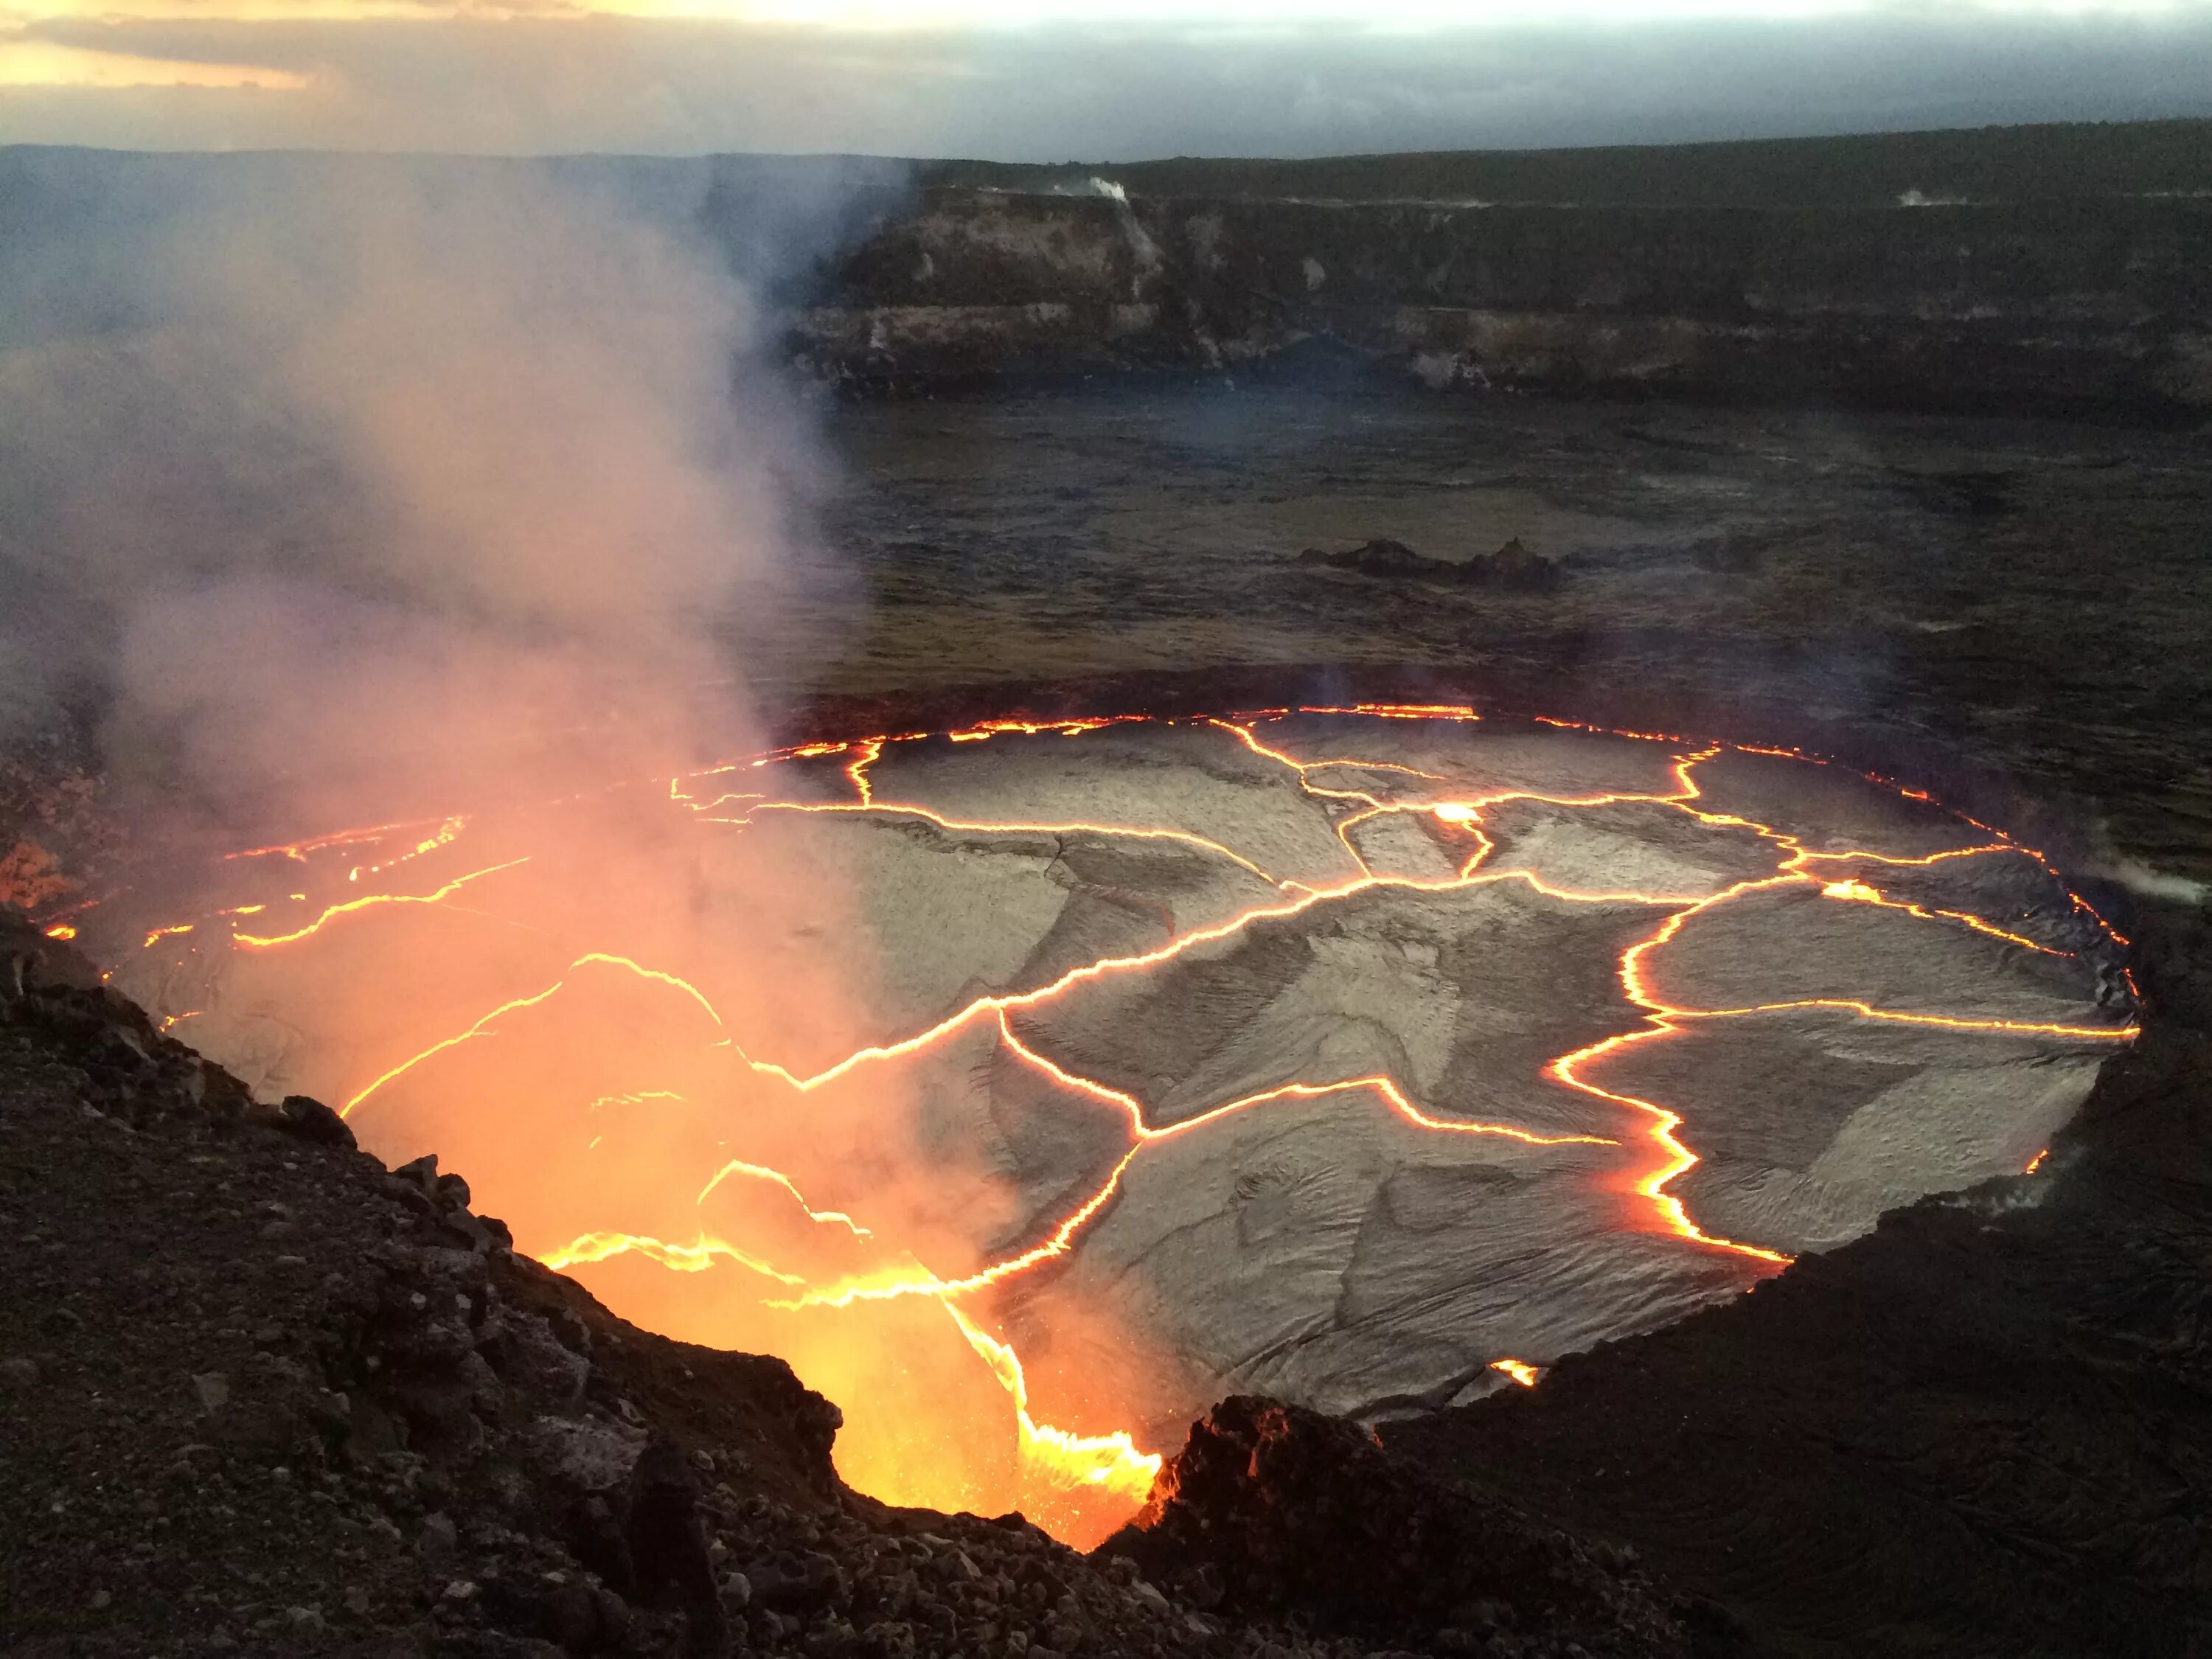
{"x": 1078, "y": 1465}
{"x": 673, "y": 1136}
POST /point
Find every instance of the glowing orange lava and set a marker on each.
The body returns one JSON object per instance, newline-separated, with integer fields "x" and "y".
{"x": 1067, "y": 1466}
{"x": 1079, "y": 1484}
{"x": 265, "y": 942}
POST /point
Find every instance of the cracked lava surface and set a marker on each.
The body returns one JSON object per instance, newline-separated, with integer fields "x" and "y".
{"x": 1029, "y": 1087}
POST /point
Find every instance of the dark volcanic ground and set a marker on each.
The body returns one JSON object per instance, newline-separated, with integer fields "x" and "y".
{"x": 2024, "y": 599}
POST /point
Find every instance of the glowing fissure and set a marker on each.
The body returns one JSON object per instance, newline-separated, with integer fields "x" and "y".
{"x": 737, "y": 1166}
{"x": 442, "y": 837}
{"x": 297, "y": 851}
{"x": 1056, "y": 1461}
{"x": 269, "y": 941}
{"x": 895, "y": 1283}
{"x": 634, "y": 1097}
{"x": 693, "y": 1258}
{"x": 1108, "y": 1462}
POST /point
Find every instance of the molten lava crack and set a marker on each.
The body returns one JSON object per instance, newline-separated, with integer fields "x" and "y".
{"x": 1418, "y": 847}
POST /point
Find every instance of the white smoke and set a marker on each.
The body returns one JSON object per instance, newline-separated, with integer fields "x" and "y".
{"x": 2140, "y": 878}
{"x": 1142, "y": 248}
{"x": 372, "y": 477}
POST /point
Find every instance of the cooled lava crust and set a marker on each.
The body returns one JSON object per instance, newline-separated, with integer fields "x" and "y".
{"x": 1991, "y": 1438}
{"x": 1371, "y": 1055}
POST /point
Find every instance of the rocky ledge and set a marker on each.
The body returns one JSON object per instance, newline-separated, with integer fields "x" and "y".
{"x": 1271, "y": 1509}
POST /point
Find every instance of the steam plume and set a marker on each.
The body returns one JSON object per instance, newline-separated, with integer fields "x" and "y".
{"x": 379, "y": 490}
{"x": 377, "y": 468}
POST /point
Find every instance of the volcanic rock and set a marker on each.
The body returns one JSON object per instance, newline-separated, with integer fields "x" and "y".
{"x": 311, "y": 1119}
{"x": 1381, "y": 557}
{"x": 32, "y": 961}
{"x": 1512, "y": 567}
{"x": 668, "y": 1544}
{"x": 1272, "y": 1508}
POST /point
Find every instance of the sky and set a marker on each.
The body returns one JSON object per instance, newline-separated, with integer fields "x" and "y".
{"x": 1047, "y": 80}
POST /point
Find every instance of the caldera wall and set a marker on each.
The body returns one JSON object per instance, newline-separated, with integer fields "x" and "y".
{"x": 2100, "y": 304}
{"x": 2046, "y": 269}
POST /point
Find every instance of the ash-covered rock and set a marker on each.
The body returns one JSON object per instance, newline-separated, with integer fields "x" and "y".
{"x": 1272, "y": 1508}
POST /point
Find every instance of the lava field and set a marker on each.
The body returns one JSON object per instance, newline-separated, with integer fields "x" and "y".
{"x": 1030, "y": 1087}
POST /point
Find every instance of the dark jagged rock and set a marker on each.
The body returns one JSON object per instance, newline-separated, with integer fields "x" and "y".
{"x": 1512, "y": 567}
{"x": 667, "y": 1544}
{"x": 1272, "y": 1508}
{"x": 1381, "y": 557}
{"x": 311, "y": 1119}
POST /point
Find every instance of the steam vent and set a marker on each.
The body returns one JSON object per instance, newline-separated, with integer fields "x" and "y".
{"x": 1030, "y": 1088}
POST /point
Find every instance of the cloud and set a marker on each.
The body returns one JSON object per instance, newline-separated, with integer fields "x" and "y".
{"x": 536, "y": 83}
{"x": 33, "y": 63}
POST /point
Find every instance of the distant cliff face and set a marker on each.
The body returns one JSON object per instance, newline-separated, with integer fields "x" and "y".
{"x": 2085, "y": 304}
{"x": 2032, "y": 268}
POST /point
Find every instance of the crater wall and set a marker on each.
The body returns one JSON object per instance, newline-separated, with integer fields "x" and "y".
{"x": 2053, "y": 270}
{"x": 2087, "y": 305}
